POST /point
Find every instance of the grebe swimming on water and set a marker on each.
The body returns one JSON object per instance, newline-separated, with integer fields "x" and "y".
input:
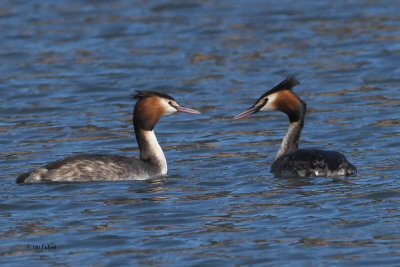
{"x": 150, "y": 107}
{"x": 291, "y": 161}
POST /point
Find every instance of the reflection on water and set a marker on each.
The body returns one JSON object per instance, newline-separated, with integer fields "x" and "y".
{"x": 66, "y": 75}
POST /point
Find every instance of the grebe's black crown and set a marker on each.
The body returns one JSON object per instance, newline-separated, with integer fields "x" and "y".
{"x": 286, "y": 84}
{"x": 139, "y": 94}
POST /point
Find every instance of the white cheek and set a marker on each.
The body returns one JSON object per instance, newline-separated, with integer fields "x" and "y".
{"x": 268, "y": 107}
{"x": 169, "y": 110}
{"x": 270, "y": 104}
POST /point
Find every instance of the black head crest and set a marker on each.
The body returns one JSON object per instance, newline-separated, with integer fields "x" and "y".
{"x": 286, "y": 84}
{"x": 139, "y": 94}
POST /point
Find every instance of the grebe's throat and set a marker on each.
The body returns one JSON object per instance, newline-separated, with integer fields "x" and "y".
{"x": 290, "y": 142}
{"x": 150, "y": 150}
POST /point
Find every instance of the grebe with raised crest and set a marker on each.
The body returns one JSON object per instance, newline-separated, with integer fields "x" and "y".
{"x": 291, "y": 161}
{"x": 150, "y": 107}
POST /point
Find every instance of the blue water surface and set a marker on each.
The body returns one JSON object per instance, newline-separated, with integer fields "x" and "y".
{"x": 66, "y": 74}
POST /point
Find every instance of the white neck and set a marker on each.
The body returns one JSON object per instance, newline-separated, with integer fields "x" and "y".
{"x": 150, "y": 150}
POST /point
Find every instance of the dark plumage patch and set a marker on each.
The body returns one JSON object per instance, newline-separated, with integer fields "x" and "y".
{"x": 305, "y": 163}
{"x": 21, "y": 179}
{"x": 139, "y": 94}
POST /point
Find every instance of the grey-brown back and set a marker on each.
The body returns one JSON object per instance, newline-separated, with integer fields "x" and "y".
{"x": 92, "y": 167}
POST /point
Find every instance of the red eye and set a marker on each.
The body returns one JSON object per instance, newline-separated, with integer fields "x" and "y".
{"x": 170, "y": 102}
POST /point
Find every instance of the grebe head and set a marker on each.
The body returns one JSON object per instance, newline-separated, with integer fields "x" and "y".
{"x": 279, "y": 98}
{"x": 151, "y": 106}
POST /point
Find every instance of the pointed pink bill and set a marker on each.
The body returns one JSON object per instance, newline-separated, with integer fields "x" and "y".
{"x": 247, "y": 112}
{"x": 187, "y": 110}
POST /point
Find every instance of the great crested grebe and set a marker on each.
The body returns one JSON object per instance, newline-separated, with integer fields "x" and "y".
{"x": 291, "y": 161}
{"x": 150, "y": 107}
